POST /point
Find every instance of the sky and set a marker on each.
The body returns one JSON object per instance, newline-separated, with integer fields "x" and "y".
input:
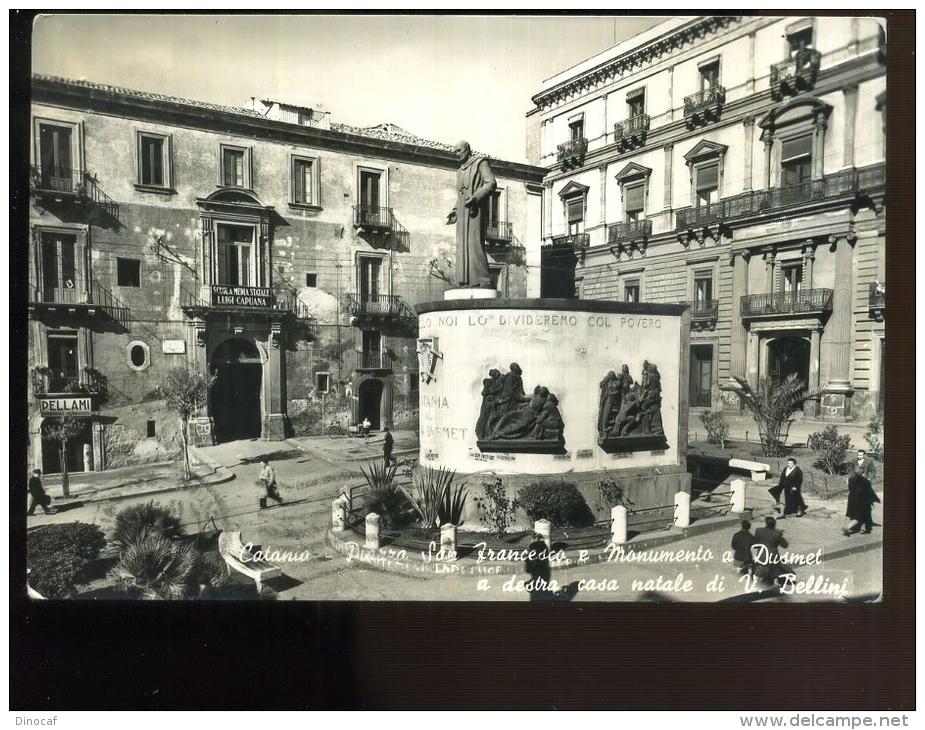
{"x": 440, "y": 77}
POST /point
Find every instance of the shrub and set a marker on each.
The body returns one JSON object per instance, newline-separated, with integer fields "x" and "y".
{"x": 613, "y": 494}
{"x": 772, "y": 404}
{"x": 874, "y": 437}
{"x": 717, "y": 428}
{"x": 385, "y": 498}
{"x": 210, "y": 570}
{"x": 58, "y": 556}
{"x": 831, "y": 449}
{"x": 435, "y": 499}
{"x": 560, "y": 502}
{"x": 156, "y": 568}
{"x": 132, "y": 524}
{"x": 495, "y": 510}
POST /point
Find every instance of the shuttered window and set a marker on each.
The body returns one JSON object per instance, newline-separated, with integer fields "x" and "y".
{"x": 796, "y": 160}
{"x": 635, "y": 197}
{"x": 797, "y": 147}
{"x": 303, "y": 181}
{"x": 575, "y": 211}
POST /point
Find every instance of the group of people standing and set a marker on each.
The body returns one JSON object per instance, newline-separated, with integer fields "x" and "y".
{"x": 627, "y": 407}
{"x": 508, "y": 413}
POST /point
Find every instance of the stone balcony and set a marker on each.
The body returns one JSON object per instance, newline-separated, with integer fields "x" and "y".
{"x": 783, "y": 304}
{"x": 629, "y": 237}
{"x": 795, "y": 75}
{"x": 704, "y": 314}
{"x": 576, "y": 241}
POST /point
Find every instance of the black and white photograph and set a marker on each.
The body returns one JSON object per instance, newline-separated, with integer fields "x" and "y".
{"x": 560, "y": 309}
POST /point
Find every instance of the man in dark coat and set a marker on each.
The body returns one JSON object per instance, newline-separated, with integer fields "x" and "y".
{"x": 388, "y": 444}
{"x": 475, "y": 182}
{"x": 537, "y": 567}
{"x": 861, "y": 495}
{"x": 37, "y": 495}
{"x": 769, "y": 563}
{"x": 791, "y": 487}
{"x": 742, "y": 542}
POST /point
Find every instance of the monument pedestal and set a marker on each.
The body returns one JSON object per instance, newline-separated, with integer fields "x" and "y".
{"x": 470, "y": 293}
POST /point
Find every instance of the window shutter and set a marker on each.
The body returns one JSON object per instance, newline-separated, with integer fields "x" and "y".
{"x": 708, "y": 177}
{"x": 635, "y": 197}
{"x": 798, "y": 147}
{"x": 576, "y": 211}
{"x": 298, "y": 193}
{"x": 249, "y": 182}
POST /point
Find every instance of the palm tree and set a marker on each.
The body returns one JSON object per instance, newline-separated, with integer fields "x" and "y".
{"x": 772, "y": 405}
{"x": 156, "y": 568}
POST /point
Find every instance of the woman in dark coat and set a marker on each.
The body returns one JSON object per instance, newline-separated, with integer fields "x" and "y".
{"x": 861, "y": 499}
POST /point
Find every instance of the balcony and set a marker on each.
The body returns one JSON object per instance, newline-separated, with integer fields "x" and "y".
{"x": 631, "y": 132}
{"x": 89, "y": 381}
{"x": 75, "y": 299}
{"x": 372, "y": 218}
{"x": 876, "y": 299}
{"x": 255, "y": 301}
{"x": 380, "y": 310}
{"x": 704, "y": 314}
{"x": 796, "y": 74}
{"x": 576, "y": 241}
{"x": 57, "y": 186}
{"x": 705, "y": 106}
{"x": 629, "y": 237}
{"x": 572, "y": 153}
{"x": 847, "y": 185}
{"x": 776, "y": 304}
{"x": 499, "y": 232}
{"x": 371, "y": 360}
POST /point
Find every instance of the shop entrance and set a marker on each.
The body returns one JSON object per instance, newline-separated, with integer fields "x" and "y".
{"x": 235, "y": 396}
{"x": 51, "y": 449}
{"x": 788, "y": 356}
{"x": 369, "y": 394}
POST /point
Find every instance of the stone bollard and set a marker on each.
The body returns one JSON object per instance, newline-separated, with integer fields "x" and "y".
{"x": 448, "y": 541}
{"x": 618, "y": 525}
{"x": 372, "y": 531}
{"x": 738, "y": 496}
{"x": 682, "y": 509}
{"x": 544, "y": 529}
{"x": 339, "y": 514}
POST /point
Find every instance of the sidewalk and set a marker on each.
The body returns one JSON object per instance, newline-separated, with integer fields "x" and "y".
{"x": 740, "y": 425}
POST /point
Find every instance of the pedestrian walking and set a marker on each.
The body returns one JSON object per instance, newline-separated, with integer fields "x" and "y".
{"x": 366, "y": 426}
{"x": 37, "y": 495}
{"x": 742, "y": 542}
{"x": 387, "y": 444}
{"x": 791, "y": 484}
{"x": 768, "y": 541}
{"x": 267, "y": 481}
{"x": 861, "y": 495}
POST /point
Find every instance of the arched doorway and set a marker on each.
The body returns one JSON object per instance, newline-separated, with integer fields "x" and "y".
{"x": 788, "y": 356}
{"x": 51, "y": 450}
{"x": 369, "y": 394}
{"x": 235, "y": 396}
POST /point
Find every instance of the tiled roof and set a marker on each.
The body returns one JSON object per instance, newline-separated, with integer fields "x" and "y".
{"x": 386, "y": 132}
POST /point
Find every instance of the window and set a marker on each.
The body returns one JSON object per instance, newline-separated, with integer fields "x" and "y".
{"x": 709, "y": 75}
{"x": 796, "y": 160}
{"x": 63, "y": 362}
{"x": 706, "y": 182}
{"x": 370, "y": 182}
{"x": 631, "y": 290}
{"x": 372, "y": 348}
{"x": 311, "y": 280}
{"x": 304, "y": 183}
{"x": 800, "y": 40}
{"x": 791, "y": 278}
{"x": 235, "y": 167}
{"x": 369, "y": 273}
{"x": 128, "y": 272}
{"x": 703, "y": 288}
{"x": 151, "y": 429}
{"x": 139, "y": 356}
{"x": 59, "y": 267}
{"x": 494, "y": 208}
{"x": 55, "y": 157}
{"x": 153, "y": 160}
{"x": 498, "y": 279}
{"x": 322, "y": 382}
{"x": 576, "y": 129}
{"x": 575, "y": 214}
{"x": 235, "y": 260}
{"x": 634, "y": 201}
{"x": 636, "y": 103}
{"x": 305, "y": 118}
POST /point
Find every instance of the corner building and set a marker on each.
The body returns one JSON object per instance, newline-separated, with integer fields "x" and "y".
{"x": 736, "y": 164}
{"x": 268, "y": 245}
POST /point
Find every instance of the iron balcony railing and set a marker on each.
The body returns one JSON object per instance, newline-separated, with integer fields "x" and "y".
{"x": 704, "y": 309}
{"x": 47, "y": 381}
{"x": 371, "y": 360}
{"x": 757, "y": 202}
{"x": 571, "y": 240}
{"x": 632, "y": 129}
{"x": 708, "y": 100}
{"x": 390, "y": 306}
{"x": 804, "y": 301}
{"x": 573, "y": 151}
{"x": 796, "y": 74}
{"x": 81, "y": 184}
{"x": 499, "y": 232}
{"x": 629, "y": 231}
{"x": 370, "y": 216}
{"x": 73, "y": 294}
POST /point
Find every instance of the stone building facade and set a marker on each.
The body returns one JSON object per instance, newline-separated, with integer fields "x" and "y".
{"x": 269, "y": 245}
{"x": 735, "y": 163}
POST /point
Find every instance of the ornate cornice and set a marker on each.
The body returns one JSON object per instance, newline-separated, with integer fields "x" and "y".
{"x": 606, "y": 72}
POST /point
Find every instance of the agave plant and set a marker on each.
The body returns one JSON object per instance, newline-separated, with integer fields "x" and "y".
{"x": 772, "y": 405}
{"x": 133, "y": 524}
{"x": 385, "y": 498}
{"x": 454, "y": 500}
{"x": 156, "y": 568}
{"x": 433, "y": 499}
